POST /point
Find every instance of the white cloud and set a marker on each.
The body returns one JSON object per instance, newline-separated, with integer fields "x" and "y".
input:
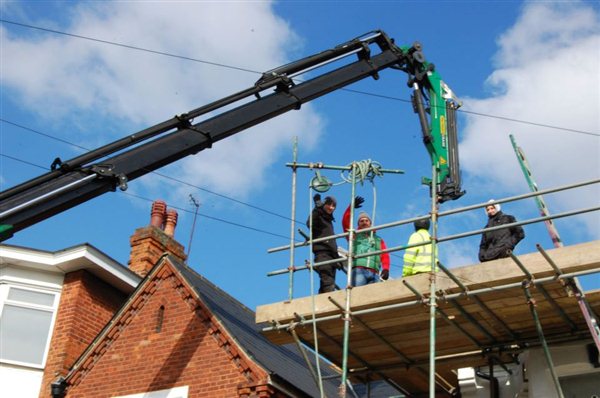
{"x": 65, "y": 78}
{"x": 548, "y": 72}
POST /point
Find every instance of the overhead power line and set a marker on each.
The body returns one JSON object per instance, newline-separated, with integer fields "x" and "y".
{"x": 171, "y": 206}
{"x": 510, "y": 119}
{"x": 221, "y": 65}
{"x": 212, "y": 217}
{"x": 154, "y": 172}
{"x": 131, "y": 47}
{"x": 186, "y": 210}
{"x": 24, "y": 161}
{"x": 52, "y": 137}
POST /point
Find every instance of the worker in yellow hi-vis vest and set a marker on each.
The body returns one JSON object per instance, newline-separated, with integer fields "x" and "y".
{"x": 417, "y": 259}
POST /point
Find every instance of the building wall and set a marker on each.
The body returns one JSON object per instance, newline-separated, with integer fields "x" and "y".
{"x": 22, "y": 380}
{"x": 164, "y": 340}
{"x": 569, "y": 360}
{"x": 577, "y": 376}
{"x": 86, "y": 306}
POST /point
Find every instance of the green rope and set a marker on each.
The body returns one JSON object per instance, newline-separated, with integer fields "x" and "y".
{"x": 365, "y": 170}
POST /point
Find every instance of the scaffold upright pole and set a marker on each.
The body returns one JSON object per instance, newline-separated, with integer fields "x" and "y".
{"x": 293, "y": 222}
{"x": 432, "y": 287}
{"x": 348, "y": 287}
{"x": 531, "y": 302}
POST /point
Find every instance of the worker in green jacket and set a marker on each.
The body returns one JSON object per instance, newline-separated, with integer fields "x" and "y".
{"x": 417, "y": 259}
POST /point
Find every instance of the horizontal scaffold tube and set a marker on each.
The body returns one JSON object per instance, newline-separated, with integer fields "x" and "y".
{"x": 446, "y": 238}
{"x": 537, "y": 281}
{"x": 455, "y": 211}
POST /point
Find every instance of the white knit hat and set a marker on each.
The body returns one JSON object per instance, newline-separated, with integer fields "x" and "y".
{"x": 496, "y": 205}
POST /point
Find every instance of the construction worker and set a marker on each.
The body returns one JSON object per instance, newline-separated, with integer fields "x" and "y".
{"x": 366, "y": 270}
{"x": 417, "y": 259}
{"x": 500, "y": 242}
{"x": 322, "y": 226}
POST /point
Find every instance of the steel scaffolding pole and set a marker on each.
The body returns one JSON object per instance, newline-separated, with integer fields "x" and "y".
{"x": 306, "y": 359}
{"x": 439, "y": 240}
{"x": 312, "y": 293}
{"x": 443, "y": 314}
{"x": 519, "y": 197}
{"x": 568, "y": 284}
{"x": 474, "y": 292}
{"x": 408, "y": 362}
{"x": 366, "y": 364}
{"x": 346, "y": 317}
{"x": 547, "y": 296}
{"x": 293, "y": 222}
{"x": 531, "y": 302}
{"x": 432, "y": 277}
{"x": 464, "y": 209}
{"x": 478, "y": 301}
{"x": 573, "y": 288}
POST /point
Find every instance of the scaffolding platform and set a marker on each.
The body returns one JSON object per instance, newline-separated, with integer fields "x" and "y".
{"x": 482, "y": 315}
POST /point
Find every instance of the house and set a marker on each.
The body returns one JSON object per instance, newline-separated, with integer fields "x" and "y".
{"x": 155, "y": 329}
{"x": 179, "y": 335}
{"x": 52, "y": 305}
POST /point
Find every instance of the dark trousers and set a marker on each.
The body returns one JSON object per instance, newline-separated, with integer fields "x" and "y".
{"x": 327, "y": 271}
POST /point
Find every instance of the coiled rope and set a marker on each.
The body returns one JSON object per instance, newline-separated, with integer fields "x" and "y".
{"x": 365, "y": 170}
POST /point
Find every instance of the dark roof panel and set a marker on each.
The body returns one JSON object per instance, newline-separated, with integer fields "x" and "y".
{"x": 285, "y": 362}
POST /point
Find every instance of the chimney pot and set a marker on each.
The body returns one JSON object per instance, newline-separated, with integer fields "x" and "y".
{"x": 158, "y": 214}
{"x": 171, "y": 222}
{"x": 149, "y": 243}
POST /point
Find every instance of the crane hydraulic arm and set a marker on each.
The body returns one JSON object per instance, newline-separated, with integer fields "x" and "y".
{"x": 94, "y": 173}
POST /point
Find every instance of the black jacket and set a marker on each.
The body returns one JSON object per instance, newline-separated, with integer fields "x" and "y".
{"x": 322, "y": 226}
{"x": 495, "y": 244}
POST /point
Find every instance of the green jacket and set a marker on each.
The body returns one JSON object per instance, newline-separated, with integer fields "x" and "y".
{"x": 363, "y": 243}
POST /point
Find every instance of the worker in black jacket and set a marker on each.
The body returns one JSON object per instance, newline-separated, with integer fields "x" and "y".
{"x": 497, "y": 243}
{"x": 322, "y": 226}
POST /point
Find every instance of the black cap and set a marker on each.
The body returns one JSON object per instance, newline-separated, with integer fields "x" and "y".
{"x": 422, "y": 224}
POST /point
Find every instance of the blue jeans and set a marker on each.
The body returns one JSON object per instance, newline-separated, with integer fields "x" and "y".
{"x": 363, "y": 276}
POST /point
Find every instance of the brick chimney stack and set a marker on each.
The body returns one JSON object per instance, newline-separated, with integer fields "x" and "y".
{"x": 149, "y": 243}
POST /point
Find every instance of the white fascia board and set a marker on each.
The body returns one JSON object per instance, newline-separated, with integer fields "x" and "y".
{"x": 72, "y": 259}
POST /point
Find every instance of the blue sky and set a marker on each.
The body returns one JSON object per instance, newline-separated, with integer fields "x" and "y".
{"x": 537, "y": 62}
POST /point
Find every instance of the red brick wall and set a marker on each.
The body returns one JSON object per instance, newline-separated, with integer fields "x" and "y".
{"x": 148, "y": 244}
{"x": 190, "y": 349}
{"x": 86, "y": 305}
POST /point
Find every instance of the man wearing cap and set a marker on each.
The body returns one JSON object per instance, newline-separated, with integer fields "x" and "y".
{"x": 366, "y": 269}
{"x": 417, "y": 259}
{"x": 322, "y": 226}
{"x": 498, "y": 243}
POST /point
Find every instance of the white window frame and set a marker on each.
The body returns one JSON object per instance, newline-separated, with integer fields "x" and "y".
{"x": 175, "y": 392}
{"x": 4, "y": 289}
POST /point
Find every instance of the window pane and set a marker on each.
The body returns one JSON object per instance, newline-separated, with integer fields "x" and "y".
{"x": 28, "y": 296}
{"x": 23, "y": 334}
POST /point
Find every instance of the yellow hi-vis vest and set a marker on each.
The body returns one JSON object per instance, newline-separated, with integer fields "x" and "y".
{"x": 418, "y": 259}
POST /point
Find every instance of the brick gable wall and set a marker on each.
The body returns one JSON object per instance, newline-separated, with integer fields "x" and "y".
{"x": 165, "y": 338}
{"x": 148, "y": 244}
{"x": 86, "y": 305}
